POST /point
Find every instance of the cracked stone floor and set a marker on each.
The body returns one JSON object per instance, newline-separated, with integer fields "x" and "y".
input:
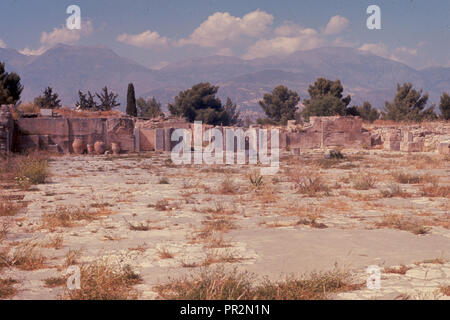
{"x": 316, "y": 214}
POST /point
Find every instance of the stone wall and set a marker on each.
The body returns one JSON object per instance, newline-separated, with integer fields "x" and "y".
{"x": 58, "y": 134}
{"x": 6, "y": 129}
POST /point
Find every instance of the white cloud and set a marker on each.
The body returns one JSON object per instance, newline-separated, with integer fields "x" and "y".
{"x": 2, "y": 44}
{"x": 60, "y": 35}
{"x": 336, "y": 25}
{"x": 222, "y": 29}
{"x": 33, "y": 52}
{"x": 66, "y": 36}
{"x": 146, "y": 39}
{"x": 379, "y": 49}
{"x": 400, "y": 54}
{"x": 224, "y": 52}
{"x": 159, "y": 65}
{"x": 290, "y": 29}
{"x": 282, "y": 46}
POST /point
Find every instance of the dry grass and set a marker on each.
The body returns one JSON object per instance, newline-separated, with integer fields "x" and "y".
{"x": 7, "y": 289}
{"x": 445, "y": 290}
{"x": 394, "y": 190}
{"x": 102, "y": 280}
{"x": 70, "y": 113}
{"x": 227, "y": 186}
{"x": 309, "y": 185}
{"x": 54, "y": 282}
{"x": 363, "y": 181}
{"x": 397, "y": 270}
{"x": 435, "y": 190}
{"x": 9, "y": 208}
{"x": 162, "y": 205}
{"x": 164, "y": 253}
{"x": 66, "y": 217}
{"x": 218, "y": 284}
{"x": 26, "y": 257}
{"x": 399, "y": 222}
{"x": 55, "y": 242}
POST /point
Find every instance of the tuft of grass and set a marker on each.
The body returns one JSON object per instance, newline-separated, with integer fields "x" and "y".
{"x": 101, "y": 280}
{"x": 27, "y": 257}
{"x": 31, "y": 170}
{"x": 397, "y": 270}
{"x": 218, "y": 284}
{"x": 445, "y": 290}
{"x": 435, "y": 190}
{"x": 162, "y": 205}
{"x": 164, "y": 253}
{"x": 399, "y": 222}
{"x": 363, "y": 181}
{"x": 393, "y": 190}
{"x": 68, "y": 217}
{"x": 407, "y": 178}
{"x": 256, "y": 179}
{"x": 309, "y": 185}
{"x": 163, "y": 180}
{"x": 9, "y": 208}
{"x": 7, "y": 289}
{"x": 54, "y": 282}
{"x": 227, "y": 186}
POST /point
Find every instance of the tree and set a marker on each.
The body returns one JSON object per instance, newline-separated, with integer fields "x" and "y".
{"x": 148, "y": 108}
{"x": 86, "y": 102}
{"x": 199, "y": 104}
{"x": 232, "y": 116}
{"x": 48, "y": 100}
{"x": 131, "y": 101}
{"x": 10, "y": 86}
{"x": 408, "y": 105}
{"x": 280, "y": 105}
{"x": 108, "y": 100}
{"x": 444, "y": 106}
{"x": 367, "y": 112}
{"x": 326, "y": 99}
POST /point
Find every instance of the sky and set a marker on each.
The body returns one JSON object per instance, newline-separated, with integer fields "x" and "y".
{"x": 157, "y": 32}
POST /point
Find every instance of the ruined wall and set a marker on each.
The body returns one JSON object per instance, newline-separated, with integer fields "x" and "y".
{"x": 58, "y": 134}
{"x": 326, "y": 132}
{"x": 426, "y": 137}
{"x": 6, "y": 129}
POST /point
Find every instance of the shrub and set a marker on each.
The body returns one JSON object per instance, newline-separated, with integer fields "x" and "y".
{"x": 32, "y": 170}
{"x": 102, "y": 280}
{"x": 217, "y": 284}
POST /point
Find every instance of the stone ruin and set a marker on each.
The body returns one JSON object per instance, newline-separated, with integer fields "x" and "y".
{"x": 58, "y": 134}
{"x": 6, "y": 129}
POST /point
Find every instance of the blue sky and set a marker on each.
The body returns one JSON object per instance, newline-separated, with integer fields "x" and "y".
{"x": 157, "y": 32}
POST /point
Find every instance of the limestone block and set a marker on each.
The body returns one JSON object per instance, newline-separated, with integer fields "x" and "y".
{"x": 444, "y": 147}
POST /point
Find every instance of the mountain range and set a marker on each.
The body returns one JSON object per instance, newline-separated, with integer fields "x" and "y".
{"x": 366, "y": 77}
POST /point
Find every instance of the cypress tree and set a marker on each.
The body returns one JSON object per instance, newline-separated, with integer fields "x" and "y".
{"x": 131, "y": 101}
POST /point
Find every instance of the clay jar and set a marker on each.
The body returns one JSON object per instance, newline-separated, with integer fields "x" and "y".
{"x": 78, "y": 146}
{"x": 99, "y": 147}
{"x": 90, "y": 149}
{"x": 115, "y": 148}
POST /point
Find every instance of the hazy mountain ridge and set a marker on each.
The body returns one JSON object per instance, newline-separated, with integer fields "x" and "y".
{"x": 365, "y": 76}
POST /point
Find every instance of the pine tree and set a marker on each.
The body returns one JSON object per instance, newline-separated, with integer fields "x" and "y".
{"x": 444, "y": 106}
{"x": 108, "y": 100}
{"x": 280, "y": 105}
{"x": 10, "y": 86}
{"x": 48, "y": 100}
{"x": 408, "y": 105}
{"x": 131, "y": 101}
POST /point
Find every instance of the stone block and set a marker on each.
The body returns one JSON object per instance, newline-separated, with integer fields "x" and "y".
{"x": 444, "y": 147}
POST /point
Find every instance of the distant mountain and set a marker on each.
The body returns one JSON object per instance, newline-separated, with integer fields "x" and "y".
{"x": 365, "y": 76}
